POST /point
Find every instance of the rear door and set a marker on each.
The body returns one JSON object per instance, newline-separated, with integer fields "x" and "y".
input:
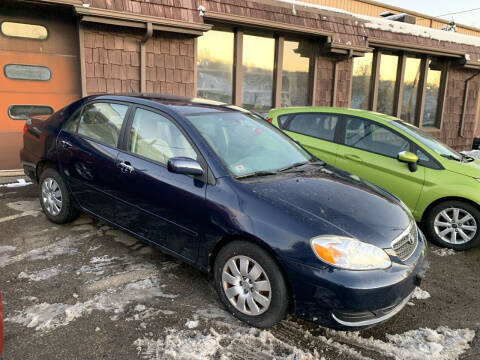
{"x": 370, "y": 151}
{"x": 87, "y": 146}
{"x": 165, "y": 208}
{"x": 315, "y": 131}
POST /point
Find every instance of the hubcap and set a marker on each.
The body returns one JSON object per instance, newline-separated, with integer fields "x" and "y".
{"x": 51, "y": 196}
{"x": 455, "y": 226}
{"x": 246, "y": 285}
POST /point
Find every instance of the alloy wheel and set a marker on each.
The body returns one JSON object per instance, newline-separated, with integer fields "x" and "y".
{"x": 455, "y": 226}
{"x": 246, "y": 285}
{"x": 51, "y": 196}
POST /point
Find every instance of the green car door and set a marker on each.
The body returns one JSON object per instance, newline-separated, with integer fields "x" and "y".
{"x": 370, "y": 151}
{"x": 315, "y": 131}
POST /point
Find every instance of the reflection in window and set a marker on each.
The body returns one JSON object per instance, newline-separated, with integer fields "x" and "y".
{"x": 361, "y": 80}
{"x": 257, "y": 84}
{"x": 430, "y": 118}
{"x": 386, "y": 83}
{"x": 157, "y": 138}
{"x": 102, "y": 122}
{"x": 23, "y": 112}
{"x": 27, "y": 31}
{"x": 215, "y": 66}
{"x": 410, "y": 89}
{"x": 27, "y": 72}
{"x": 296, "y": 63}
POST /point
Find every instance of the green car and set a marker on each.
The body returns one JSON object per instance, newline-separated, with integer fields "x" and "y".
{"x": 439, "y": 185}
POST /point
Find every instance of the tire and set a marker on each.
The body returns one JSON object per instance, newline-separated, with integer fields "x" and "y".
{"x": 467, "y": 232}
{"x": 55, "y": 198}
{"x": 270, "y": 278}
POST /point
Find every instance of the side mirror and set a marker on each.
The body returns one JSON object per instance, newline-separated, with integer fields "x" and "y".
{"x": 184, "y": 165}
{"x": 410, "y": 158}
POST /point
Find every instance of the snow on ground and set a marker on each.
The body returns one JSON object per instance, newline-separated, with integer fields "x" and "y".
{"x": 420, "y": 294}
{"x": 46, "y": 316}
{"x": 19, "y": 183}
{"x": 440, "y": 344}
{"x": 444, "y": 252}
{"x": 40, "y": 275}
{"x": 211, "y": 344}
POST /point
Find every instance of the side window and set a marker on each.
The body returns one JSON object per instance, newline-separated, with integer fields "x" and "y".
{"x": 157, "y": 138}
{"x": 102, "y": 122}
{"x": 282, "y": 120}
{"x": 318, "y": 125}
{"x": 366, "y": 135}
{"x": 71, "y": 125}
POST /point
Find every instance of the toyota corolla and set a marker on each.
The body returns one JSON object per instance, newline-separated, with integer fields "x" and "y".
{"x": 279, "y": 230}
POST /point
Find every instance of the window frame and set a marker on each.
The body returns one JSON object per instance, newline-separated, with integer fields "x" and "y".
{"x": 27, "y": 65}
{"x": 24, "y": 37}
{"x": 207, "y": 176}
{"x": 336, "y": 136}
{"x": 82, "y": 109}
{"x": 279, "y": 38}
{"x": 22, "y": 119}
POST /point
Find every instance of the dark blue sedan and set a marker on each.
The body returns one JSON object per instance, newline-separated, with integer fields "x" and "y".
{"x": 279, "y": 230}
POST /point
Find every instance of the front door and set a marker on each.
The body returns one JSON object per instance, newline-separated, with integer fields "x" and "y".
{"x": 370, "y": 151}
{"x": 87, "y": 146}
{"x": 165, "y": 208}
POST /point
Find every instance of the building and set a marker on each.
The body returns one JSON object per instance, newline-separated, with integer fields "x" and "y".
{"x": 257, "y": 54}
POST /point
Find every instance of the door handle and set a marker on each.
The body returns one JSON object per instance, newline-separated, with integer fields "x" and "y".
{"x": 126, "y": 167}
{"x": 66, "y": 144}
{"x": 353, "y": 157}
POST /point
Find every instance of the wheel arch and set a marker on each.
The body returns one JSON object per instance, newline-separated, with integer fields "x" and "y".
{"x": 42, "y": 165}
{"x": 445, "y": 199}
{"x": 229, "y": 238}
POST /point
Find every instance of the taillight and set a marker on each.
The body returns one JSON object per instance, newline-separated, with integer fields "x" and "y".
{"x": 269, "y": 120}
{"x": 25, "y": 127}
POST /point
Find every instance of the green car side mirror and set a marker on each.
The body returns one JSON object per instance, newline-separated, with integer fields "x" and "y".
{"x": 410, "y": 158}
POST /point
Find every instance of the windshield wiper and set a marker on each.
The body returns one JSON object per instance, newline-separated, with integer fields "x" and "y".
{"x": 292, "y": 166}
{"x": 451, "y": 157}
{"x": 467, "y": 158}
{"x": 296, "y": 165}
{"x": 256, "y": 174}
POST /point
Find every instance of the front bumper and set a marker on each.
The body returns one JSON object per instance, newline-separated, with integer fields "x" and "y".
{"x": 352, "y": 300}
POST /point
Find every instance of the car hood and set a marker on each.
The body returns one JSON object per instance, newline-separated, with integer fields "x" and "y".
{"x": 332, "y": 202}
{"x": 471, "y": 168}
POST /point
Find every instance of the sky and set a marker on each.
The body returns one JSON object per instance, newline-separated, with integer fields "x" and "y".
{"x": 439, "y": 7}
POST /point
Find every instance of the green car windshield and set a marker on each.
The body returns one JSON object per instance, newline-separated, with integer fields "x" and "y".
{"x": 428, "y": 140}
{"x": 248, "y": 145}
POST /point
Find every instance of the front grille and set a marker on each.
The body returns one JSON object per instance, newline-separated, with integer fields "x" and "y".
{"x": 405, "y": 244}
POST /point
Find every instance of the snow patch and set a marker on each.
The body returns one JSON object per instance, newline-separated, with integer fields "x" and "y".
{"x": 420, "y": 294}
{"x": 472, "y": 153}
{"x": 39, "y": 275}
{"x": 19, "y": 183}
{"x": 46, "y": 316}
{"x": 210, "y": 344}
{"x": 440, "y": 344}
{"x": 192, "y": 324}
{"x": 444, "y": 252}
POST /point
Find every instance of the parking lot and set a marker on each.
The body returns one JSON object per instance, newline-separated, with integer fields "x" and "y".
{"x": 87, "y": 291}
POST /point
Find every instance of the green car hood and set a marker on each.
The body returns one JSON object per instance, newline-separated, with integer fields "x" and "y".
{"x": 471, "y": 168}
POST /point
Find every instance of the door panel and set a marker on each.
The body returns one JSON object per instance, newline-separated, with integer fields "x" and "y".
{"x": 370, "y": 155}
{"x": 324, "y": 150}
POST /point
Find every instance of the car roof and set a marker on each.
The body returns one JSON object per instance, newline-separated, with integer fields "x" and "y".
{"x": 181, "y": 104}
{"x": 335, "y": 110}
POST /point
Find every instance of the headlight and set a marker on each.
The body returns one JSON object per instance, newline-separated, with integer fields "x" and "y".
{"x": 348, "y": 253}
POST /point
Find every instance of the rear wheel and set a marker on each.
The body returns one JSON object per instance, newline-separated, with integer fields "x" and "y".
{"x": 454, "y": 224}
{"x": 54, "y": 197}
{"x": 250, "y": 284}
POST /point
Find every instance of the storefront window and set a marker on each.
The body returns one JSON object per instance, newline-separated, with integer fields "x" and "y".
{"x": 386, "y": 83}
{"x": 26, "y": 31}
{"x": 296, "y": 63}
{"x": 410, "y": 89}
{"x": 215, "y": 66}
{"x": 257, "y": 81}
{"x": 434, "y": 76}
{"x": 361, "y": 81}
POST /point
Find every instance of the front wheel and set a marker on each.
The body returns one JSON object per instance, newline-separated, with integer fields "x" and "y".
{"x": 54, "y": 197}
{"x": 250, "y": 284}
{"x": 454, "y": 224}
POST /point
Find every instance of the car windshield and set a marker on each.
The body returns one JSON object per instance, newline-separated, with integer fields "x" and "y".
{"x": 248, "y": 145}
{"x": 428, "y": 140}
